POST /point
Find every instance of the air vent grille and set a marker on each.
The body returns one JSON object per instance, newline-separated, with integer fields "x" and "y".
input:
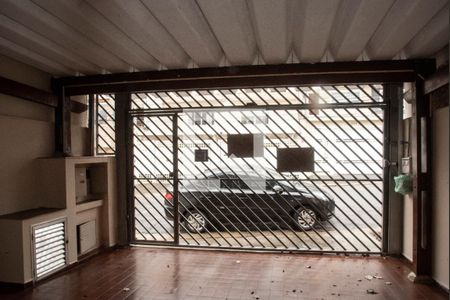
{"x": 49, "y": 248}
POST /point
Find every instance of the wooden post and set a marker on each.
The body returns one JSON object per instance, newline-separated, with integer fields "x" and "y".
{"x": 421, "y": 187}
{"x": 124, "y": 184}
{"x": 63, "y": 137}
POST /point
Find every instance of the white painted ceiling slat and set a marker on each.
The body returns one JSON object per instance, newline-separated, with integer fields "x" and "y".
{"x": 400, "y": 25}
{"x": 272, "y": 22}
{"x": 81, "y": 16}
{"x": 433, "y": 37}
{"x": 313, "y": 21}
{"x": 355, "y": 23}
{"x": 185, "y": 21}
{"x": 29, "y": 39}
{"x": 27, "y": 56}
{"x": 230, "y": 22}
{"x": 37, "y": 19}
{"x": 134, "y": 19}
{"x": 67, "y": 37}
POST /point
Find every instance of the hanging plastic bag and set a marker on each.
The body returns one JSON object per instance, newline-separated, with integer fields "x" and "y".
{"x": 403, "y": 184}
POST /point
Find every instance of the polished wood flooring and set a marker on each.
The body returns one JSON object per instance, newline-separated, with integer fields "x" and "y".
{"x": 149, "y": 273}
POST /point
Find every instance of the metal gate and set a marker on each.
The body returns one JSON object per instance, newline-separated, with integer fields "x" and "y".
{"x": 292, "y": 168}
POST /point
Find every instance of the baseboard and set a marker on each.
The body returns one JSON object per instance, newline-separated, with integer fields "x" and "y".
{"x": 13, "y": 286}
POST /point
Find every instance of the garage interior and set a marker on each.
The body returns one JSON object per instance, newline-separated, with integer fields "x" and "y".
{"x": 235, "y": 149}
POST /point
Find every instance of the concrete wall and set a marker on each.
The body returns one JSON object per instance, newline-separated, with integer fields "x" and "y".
{"x": 440, "y": 190}
{"x": 26, "y": 132}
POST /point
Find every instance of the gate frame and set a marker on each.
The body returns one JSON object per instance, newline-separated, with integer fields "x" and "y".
{"x": 399, "y": 71}
{"x": 384, "y": 105}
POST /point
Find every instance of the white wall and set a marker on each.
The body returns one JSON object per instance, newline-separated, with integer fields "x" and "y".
{"x": 440, "y": 190}
{"x": 26, "y": 132}
{"x": 407, "y": 227}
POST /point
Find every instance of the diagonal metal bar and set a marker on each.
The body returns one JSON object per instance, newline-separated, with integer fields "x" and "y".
{"x": 243, "y": 235}
{"x": 292, "y": 139}
{"x": 250, "y": 221}
{"x": 241, "y": 189}
{"x": 159, "y": 181}
{"x": 191, "y": 203}
{"x": 309, "y": 191}
{"x": 181, "y": 162}
{"x": 288, "y": 192}
{"x": 318, "y": 220}
{"x": 186, "y": 97}
{"x": 188, "y": 191}
{"x": 205, "y": 176}
{"x": 250, "y": 189}
{"x": 329, "y": 152}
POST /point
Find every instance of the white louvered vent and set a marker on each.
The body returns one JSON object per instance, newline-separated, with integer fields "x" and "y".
{"x": 49, "y": 248}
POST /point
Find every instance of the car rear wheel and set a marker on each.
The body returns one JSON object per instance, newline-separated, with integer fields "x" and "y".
{"x": 195, "y": 222}
{"x": 305, "y": 218}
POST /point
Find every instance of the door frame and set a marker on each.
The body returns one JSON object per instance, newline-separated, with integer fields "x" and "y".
{"x": 130, "y": 177}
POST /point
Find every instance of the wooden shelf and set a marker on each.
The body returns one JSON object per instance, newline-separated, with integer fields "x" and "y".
{"x": 82, "y": 206}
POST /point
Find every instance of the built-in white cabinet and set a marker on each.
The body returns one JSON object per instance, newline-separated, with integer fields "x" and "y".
{"x": 81, "y": 191}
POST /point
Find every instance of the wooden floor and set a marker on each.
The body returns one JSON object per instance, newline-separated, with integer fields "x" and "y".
{"x": 148, "y": 273}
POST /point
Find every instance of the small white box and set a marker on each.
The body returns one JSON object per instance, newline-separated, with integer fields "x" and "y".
{"x": 406, "y": 165}
{"x": 81, "y": 185}
{"x": 87, "y": 236}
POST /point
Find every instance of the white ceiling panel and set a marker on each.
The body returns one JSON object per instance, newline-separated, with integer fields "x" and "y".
{"x": 84, "y": 18}
{"x": 313, "y": 21}
{"x": 35, "y": 18}
{"x": 136, "y": 21}
{"x": 355, "y": 23}
{"x": 272, "y": 21}
{"x": 403, "y": 21}
{"x": 433, "y": 37}
{"x": 27, "y": 56}
{"x": 67, "y": 37}
{"x": 185, "y": 21}
{"x": 29, "y": 39}
{"x": 236, "y": 37}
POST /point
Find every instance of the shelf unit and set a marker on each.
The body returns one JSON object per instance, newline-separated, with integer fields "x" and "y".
{"x": 57, "y": 199}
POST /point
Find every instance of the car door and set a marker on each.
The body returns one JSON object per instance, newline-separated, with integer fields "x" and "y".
{"x": 280, "y": 201}
{"x": 232, "y": 205}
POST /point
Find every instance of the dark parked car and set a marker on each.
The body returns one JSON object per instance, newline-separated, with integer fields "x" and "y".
{"x": 247, "y": 200}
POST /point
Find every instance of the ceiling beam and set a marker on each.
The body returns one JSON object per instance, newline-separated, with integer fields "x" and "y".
{"x": 20, "y": 90}
{"x": 245, "y": 76}
{"x": 23, "y": 91}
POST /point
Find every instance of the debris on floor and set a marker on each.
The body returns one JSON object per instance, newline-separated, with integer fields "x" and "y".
{"x": 238, "y": 261}
{"x": 370, "y": 277}
{"x": 308, "y": 267}
{"x": 371, "y": 291}
{"x": 388, "y": 283}
{"x": 412, "y": 277}
{"x": 126, "y": 289}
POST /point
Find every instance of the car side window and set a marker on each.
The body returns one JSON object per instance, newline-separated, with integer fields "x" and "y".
{"x": 269, "y": 185}
{"x": 227, "y": 183}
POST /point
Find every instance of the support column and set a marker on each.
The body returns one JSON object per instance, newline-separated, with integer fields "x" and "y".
{"x": 124, "y": 184}
{"x": 63, "y": 137}
{"x": 392, "y": 205}
{"x": 421, "y": 187}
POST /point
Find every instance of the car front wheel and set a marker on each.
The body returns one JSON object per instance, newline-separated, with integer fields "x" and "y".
{"x": 305, "y": 218}
{"x": 195, "y": 222}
